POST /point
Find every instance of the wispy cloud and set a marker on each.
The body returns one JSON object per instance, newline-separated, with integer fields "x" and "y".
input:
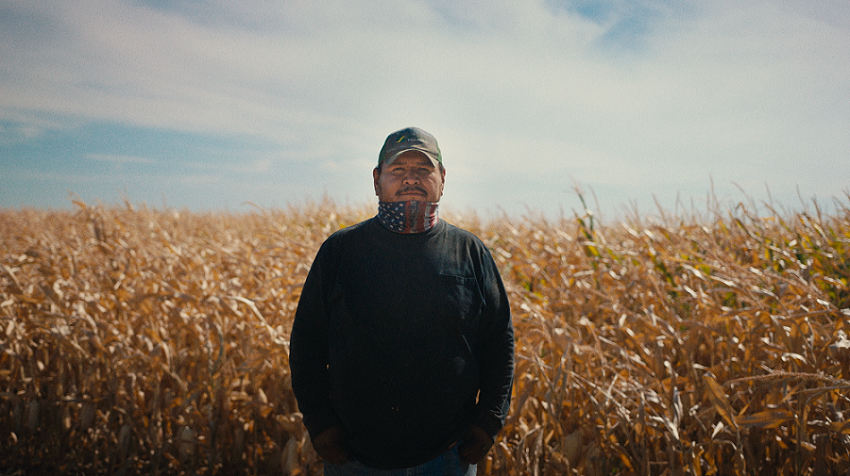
{"x": 250, "y": 166}
{"x": 121, "y": 159}
{"x": 16, "y": 133}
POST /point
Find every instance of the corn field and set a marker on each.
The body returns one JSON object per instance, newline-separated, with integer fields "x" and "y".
{"x": 155, "y": 342}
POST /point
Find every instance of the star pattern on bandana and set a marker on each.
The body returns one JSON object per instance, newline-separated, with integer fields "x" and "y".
{"x": 408, "y": 217}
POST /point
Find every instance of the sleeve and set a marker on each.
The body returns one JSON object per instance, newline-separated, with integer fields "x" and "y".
{"x": 308, "y": 347}
{"x": 496, "y": 351}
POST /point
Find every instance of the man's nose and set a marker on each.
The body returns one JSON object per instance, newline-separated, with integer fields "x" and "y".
{"x": 411, "y": 177}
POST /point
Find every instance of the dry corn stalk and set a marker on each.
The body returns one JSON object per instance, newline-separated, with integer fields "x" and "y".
{"x": 155, "y": 342}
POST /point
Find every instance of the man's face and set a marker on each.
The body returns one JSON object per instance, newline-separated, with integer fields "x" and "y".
{"x": 411, "y": 176}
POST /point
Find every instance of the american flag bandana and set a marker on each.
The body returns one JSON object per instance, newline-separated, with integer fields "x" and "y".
{"x": 408, "y": 217}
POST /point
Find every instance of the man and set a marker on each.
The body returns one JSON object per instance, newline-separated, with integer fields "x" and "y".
{"x": 402, "y": 345}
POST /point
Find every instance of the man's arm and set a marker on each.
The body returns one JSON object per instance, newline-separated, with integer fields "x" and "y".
{"x": 308, "y": 352}
{"x": 496, "y": 353}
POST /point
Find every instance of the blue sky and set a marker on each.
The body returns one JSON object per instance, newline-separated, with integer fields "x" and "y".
{"x": 208, "y": 105}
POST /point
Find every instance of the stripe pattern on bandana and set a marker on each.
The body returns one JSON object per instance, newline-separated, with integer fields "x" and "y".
{"x": 408, "y": 217}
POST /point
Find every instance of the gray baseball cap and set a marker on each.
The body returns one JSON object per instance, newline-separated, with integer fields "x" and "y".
{"x": 411, "y": 138}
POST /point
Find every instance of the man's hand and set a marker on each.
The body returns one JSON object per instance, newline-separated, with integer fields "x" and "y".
{"x": 475, "y": 445}
{"x": 330, "y": 445}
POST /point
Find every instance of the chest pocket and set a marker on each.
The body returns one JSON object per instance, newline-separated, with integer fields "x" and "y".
{"x": 462, "y": 299}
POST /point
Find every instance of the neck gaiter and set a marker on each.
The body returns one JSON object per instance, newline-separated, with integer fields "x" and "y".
{"x": 408, "y": 217}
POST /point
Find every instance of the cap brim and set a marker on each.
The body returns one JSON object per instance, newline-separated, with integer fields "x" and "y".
{"x": 392, "y": 158}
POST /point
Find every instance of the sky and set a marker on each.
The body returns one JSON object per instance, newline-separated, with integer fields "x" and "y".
{"x": 635, "y": 105}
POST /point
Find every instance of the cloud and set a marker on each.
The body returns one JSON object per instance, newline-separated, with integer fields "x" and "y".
{"x": 632, "y": 97}
{"x": 18, "y": 132}
{"x": 121, "y": 159}
{"x": 250, "y": 166}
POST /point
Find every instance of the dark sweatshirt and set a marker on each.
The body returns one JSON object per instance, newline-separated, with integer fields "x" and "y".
{"x": 394, "y": 337}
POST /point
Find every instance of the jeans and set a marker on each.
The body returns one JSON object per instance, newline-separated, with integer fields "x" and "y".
{"x": 447, "y": 464}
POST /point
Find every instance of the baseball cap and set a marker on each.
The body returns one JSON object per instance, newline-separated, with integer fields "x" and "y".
{"x": 411, "y": 138}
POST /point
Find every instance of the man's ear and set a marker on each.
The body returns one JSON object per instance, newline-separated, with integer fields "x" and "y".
{"x": 443, "y": 185}
{"x": 376, "y": 173}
